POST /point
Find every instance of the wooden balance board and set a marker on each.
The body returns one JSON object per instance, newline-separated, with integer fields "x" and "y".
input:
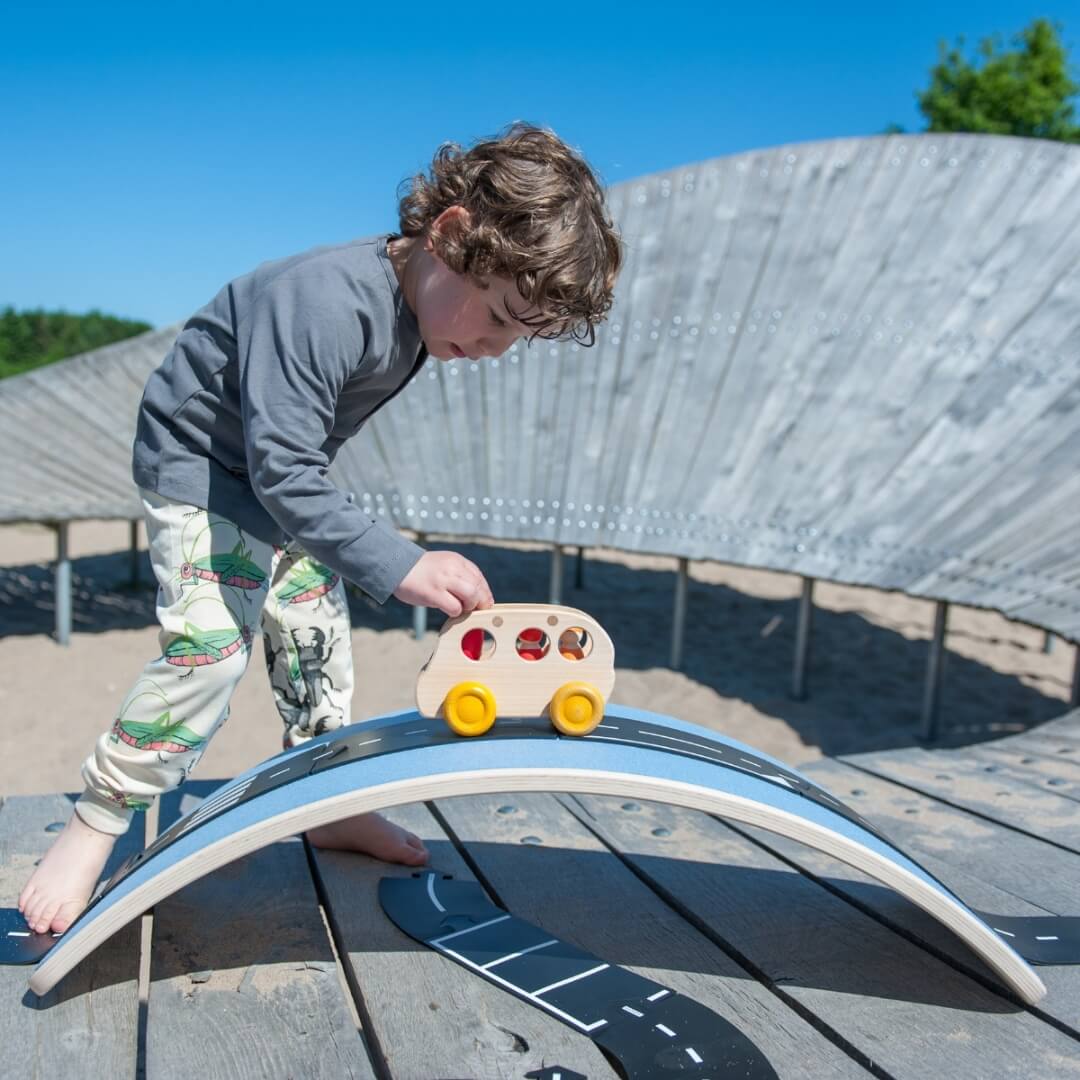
{"x": 406, "y": 758}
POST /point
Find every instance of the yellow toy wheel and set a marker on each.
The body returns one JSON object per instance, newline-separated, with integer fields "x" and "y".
{"x": 576, "y": 708}
{"x": 469, "y": 708}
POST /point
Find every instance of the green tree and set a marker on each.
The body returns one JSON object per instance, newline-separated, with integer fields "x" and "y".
{"x": 1023, "y": 91}
{"x": 29, "y": 339}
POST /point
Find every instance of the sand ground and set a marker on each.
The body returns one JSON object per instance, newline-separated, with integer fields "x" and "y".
{"x": 867, "y": 665}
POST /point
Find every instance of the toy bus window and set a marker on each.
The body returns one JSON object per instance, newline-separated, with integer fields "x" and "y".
{"x": 532, "y": 644}
{"x": 575, "y": 643}
{"x": 477, "y": 644}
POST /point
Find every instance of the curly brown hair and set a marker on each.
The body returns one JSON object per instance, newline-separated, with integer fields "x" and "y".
{"x": 536, "y": 216}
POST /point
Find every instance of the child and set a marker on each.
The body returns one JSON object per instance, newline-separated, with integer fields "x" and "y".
{"x": 236, "y": 430}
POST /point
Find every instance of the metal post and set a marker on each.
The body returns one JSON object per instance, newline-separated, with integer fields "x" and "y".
{"x": 1074, "y": 698}
{"x": 932, "y": 690}
{"x": 419, "y": 612}
{"x": 802, "y": 639}
{"x": 555, "y": 585}
{"x": 134, "y": 554}
{"x": 679, "y": 619}
{"x": 579, "y": 569}
{"x": 1048, "y": 642}
{"x": 62, "y": 585}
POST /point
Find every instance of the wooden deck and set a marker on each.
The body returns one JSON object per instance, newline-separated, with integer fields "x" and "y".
{"x": 283, "y": 964}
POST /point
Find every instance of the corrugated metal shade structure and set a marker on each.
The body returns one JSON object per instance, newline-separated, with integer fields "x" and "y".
{"x": 856, "y": 360}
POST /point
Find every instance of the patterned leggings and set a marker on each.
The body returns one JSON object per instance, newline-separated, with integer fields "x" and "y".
{"x": 214, "y": 584}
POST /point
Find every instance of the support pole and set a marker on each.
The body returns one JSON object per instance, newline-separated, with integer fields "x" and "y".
{"x": 579, "y": 569}
{"x": 802, "y": 640}
{"x": 62, "y": 585}
{"x": 679, "y": 618}
{"x": 556, "y": 582}
{"x": 932, "y": 690}
{"x": 419, "y": 612}
{"x": 1048, "y": 642}
{"x": 1074, "y": 697}
{"x": 134, "y": 533}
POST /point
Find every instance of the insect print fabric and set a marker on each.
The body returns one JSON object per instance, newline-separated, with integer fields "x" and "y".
{"x": 217, "y": 589}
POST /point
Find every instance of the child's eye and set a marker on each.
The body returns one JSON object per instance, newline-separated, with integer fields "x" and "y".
{"x": 496, "y": 320}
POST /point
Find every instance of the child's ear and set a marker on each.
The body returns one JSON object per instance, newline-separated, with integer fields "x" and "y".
{"x": 454, "y": 220}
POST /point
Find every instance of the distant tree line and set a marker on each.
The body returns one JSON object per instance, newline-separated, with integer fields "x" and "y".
{"x": 29, "y": 339}
{"x": 1025, "y": 90}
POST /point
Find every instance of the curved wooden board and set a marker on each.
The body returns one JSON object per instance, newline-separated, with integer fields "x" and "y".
{"x": 404, "y": 758}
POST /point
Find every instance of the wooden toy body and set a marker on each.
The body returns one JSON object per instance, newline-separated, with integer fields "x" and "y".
{"x": 521, "y": 686}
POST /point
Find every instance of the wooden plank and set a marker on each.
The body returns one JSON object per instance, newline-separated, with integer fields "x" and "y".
{"x": 1044, "y": 770}
{"x": 956, "y": 777}
{"x": 572, "y": 886}
{"x": 244, "y": 981}
{"x": 890, "y": 1001}
{"x": 88, "y": 1024}
{"x": 990, "y": 867}
{"x": 428, "y": 1016}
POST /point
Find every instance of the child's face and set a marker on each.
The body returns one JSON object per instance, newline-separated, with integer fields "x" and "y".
{"x": 458, "y": 318}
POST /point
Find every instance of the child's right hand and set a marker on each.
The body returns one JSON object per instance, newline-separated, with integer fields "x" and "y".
{"x": 447, "y": 581}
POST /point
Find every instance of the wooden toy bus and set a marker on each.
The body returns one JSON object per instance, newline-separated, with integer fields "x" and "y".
{"x": 519, "y": 660}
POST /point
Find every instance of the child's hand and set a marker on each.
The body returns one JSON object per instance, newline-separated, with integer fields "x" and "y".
{"x": 447, "y": 581}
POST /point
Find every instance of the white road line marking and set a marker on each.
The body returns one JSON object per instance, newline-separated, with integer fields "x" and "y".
{"x": 1004, "y": 933}
{"x": 280, "y": 772}
{"x": 417, "y": 731}
{"x": 610, "y": 727}
{"x": 319, "y": 757}
{"x": 211, "y": 806}
{"x": 431, "y": 892}
{"x": 18, "y": 933}
{"x": 1047, "y": 938}
{"x": 368, "y": 742}
{"x": 665, "y": 1030}
{"x": 573, "y": 978}
{"x": 752, "y": 764}
{"x": 514, "y": 955}
{"x": 632, "y": 1012}
{"x": 545, "y": 1005}
{"x": 469, "y": 929}
{"x": 686, "y": 753}
{"x": 695, "y": 1057}
{"x": 659, "y": 994}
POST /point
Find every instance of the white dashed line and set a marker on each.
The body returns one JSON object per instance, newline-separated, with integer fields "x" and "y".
{"x": 658, "y": 995}
{"x": 469, "y": 930}
{"x": 431, "y": 892}
{"x": 695, "y": 1057}
{"x": 573, "y": 978}
{"x": 1047, "y": 938}
{"x": 515, "y": 955}
{"x": 665, "y": 1030}
{"x": 280, "y": 772}
{"x": 632, "y": 1012}
{"x": 1004, "y": 933}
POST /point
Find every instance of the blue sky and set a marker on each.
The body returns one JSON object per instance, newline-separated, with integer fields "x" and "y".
{"x": 149, "y": 153}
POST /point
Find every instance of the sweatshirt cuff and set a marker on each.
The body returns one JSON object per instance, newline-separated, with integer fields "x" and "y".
{"x": 379, "y": 560}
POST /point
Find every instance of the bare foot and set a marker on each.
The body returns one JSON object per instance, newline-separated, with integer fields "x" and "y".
{"x": 373, "y": 835}
{"x": 64, "y": 880}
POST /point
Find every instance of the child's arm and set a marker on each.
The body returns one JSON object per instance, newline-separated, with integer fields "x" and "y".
{"x": 304, "y": 336}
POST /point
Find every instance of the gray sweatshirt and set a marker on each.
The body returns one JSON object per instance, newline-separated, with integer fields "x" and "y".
{"x": 262, "y": 387}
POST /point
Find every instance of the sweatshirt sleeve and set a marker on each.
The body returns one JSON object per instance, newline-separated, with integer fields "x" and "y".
{"x": 303, "y": 337}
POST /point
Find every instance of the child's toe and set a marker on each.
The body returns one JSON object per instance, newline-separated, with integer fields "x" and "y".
{"x": 65, "y": 915}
